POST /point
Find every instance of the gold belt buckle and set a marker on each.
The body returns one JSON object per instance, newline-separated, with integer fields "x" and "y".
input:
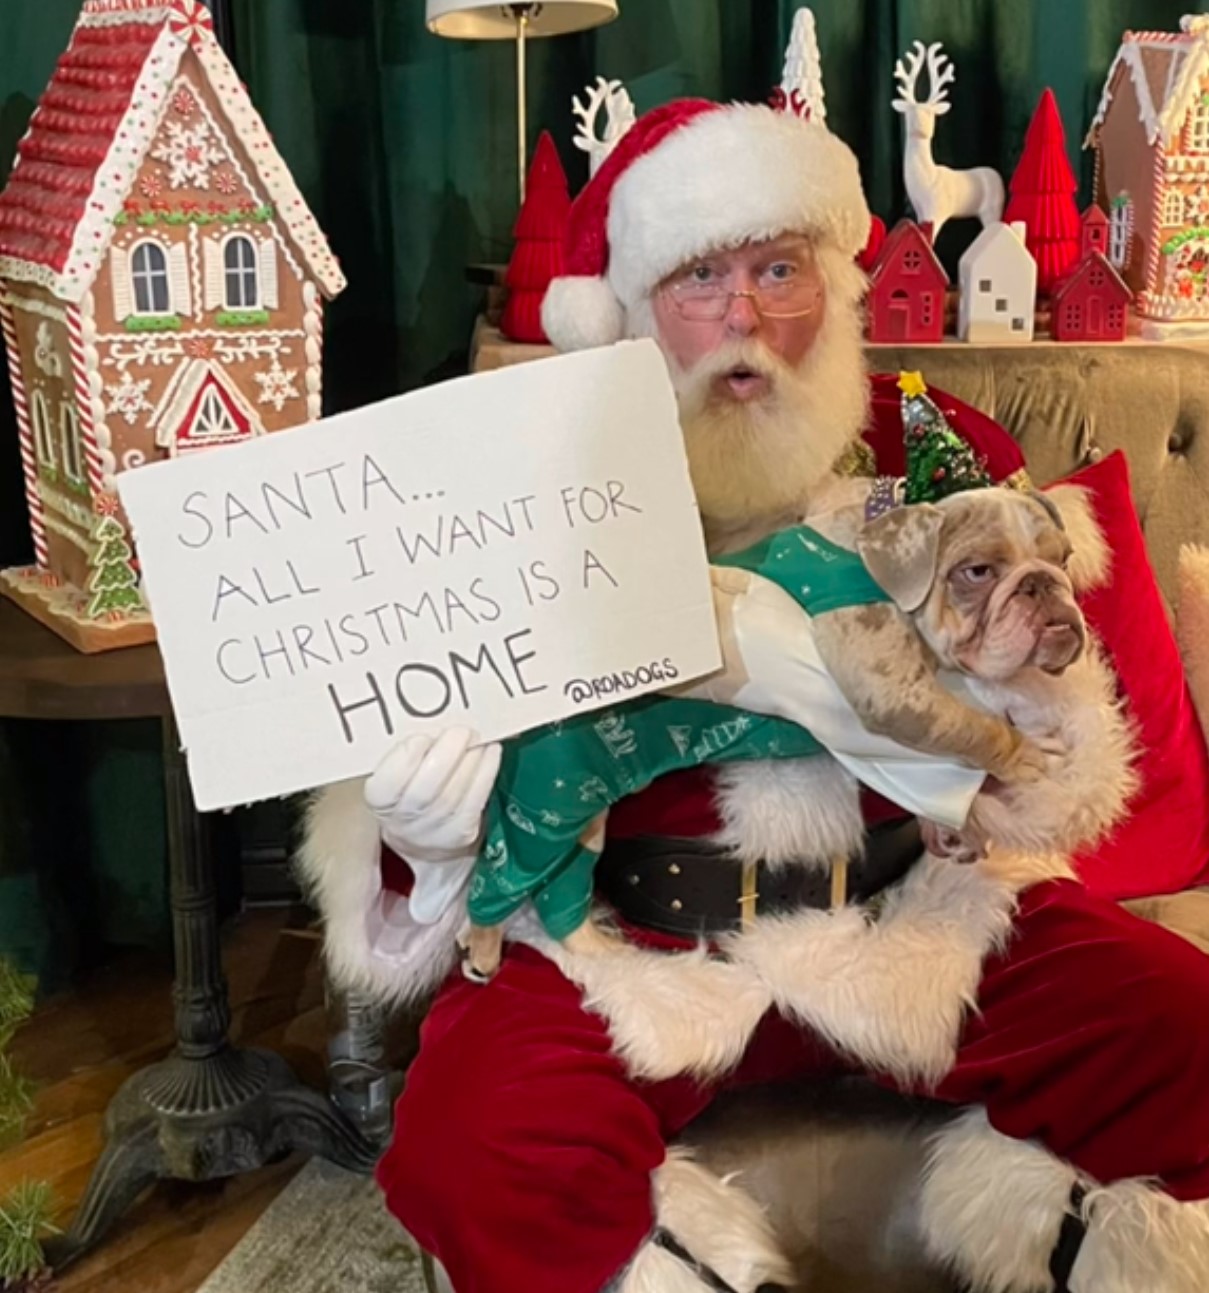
{"x": 839, "y": 882}
{"x": 748, "y": 894}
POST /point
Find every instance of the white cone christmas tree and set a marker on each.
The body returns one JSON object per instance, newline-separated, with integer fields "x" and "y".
{"x": 802, "y": 78}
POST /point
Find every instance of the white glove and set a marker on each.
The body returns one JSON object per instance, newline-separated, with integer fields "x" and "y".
{"x": 428, "y": 795}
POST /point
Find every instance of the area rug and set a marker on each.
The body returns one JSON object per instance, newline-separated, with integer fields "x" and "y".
{"x": 327, "y": 1232}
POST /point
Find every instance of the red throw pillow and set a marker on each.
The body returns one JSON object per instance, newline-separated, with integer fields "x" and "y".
{"x": 1163, "y": 845}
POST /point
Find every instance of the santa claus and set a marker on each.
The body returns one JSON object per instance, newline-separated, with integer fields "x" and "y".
{"x": 531, "y": 1144}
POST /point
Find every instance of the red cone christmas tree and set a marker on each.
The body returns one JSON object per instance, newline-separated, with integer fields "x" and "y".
{"x": 539, "y": 231}
{"x": 1043, "y": 195}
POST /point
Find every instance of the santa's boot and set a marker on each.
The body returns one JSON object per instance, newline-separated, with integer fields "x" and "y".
{"x": 709, "y": 1237}
{"x": 1007, "y": 1216}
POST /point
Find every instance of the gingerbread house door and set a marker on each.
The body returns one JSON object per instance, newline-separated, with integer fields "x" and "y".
{"x": 202, "y": 409}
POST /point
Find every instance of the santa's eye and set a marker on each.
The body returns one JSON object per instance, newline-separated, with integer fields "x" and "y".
{"x": 976, "y": 574}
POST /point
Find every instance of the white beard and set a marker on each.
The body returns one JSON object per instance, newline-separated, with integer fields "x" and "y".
{"x": 756, "y": 465}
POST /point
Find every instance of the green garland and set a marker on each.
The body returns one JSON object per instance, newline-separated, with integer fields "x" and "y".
{"x": 256, "y": 215}
{"x": 1187, "y": 235}
{"x": 26, "y": 1210}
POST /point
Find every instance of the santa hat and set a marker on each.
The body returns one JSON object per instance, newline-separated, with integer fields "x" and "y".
{"x": 685, "y": 179}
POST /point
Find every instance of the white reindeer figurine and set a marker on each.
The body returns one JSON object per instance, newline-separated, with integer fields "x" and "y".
{"x": 938, "y": 193}
{"x": 615, "y": 98}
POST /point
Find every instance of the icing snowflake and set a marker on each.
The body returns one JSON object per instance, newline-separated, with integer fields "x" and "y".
{"x": 199, "y": 347}
{"x": 276, "y": 385}
{"x": 128, "y": 398}
{"x": 189, "y": 152}
{"x": 226, "y": 182}
{"x": 183, "y": 102}
{"x": 151, "y": 186}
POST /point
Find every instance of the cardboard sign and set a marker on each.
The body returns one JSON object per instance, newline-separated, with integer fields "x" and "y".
{"x": 499, "y": 551}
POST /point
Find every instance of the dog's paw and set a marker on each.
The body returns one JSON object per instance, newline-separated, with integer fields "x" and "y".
{"x": 1025, "y": 762}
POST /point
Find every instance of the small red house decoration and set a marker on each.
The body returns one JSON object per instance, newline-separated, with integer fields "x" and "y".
{"x": 906, "y": 301}
{"x": 1092, "y": 302}
{"x": 162, "y": 285}
{"x": 541, "y": 227}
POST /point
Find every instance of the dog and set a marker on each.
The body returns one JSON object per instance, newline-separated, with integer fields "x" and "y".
{"x": 977, "y": 587}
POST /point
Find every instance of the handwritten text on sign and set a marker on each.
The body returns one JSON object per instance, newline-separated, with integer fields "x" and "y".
{"x": 503, "y": 551}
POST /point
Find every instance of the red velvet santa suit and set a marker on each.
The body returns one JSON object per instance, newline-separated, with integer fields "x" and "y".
{"x": 530, "y": 1151}
{"x": 523, "y": 1148}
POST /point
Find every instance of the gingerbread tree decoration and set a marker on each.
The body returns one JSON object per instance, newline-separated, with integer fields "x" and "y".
{"x": 540, "y": 229}
{"x": 114, "y": 585}
{"x": 1043, "y": 195}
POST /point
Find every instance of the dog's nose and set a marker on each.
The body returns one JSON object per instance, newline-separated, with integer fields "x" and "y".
{"x": 1034, "y": 584}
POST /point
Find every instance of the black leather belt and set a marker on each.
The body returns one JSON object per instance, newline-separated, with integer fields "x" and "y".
{"x": 694, "y": 888}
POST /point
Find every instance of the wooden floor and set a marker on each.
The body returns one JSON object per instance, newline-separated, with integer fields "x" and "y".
{"x": 79, "y": 1047}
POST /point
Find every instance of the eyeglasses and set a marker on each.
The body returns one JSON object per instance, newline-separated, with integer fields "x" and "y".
{"x": 707, "y": 300}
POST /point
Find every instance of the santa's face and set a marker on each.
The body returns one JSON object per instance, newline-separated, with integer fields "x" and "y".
{"x": 767, "y": 293}
{"x": 763, "y": 343}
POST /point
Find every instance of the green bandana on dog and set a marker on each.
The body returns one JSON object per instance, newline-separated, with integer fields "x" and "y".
{"x": 555, "y": 781}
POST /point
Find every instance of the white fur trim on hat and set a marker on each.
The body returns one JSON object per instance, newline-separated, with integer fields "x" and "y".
{"x": 580, "y": 311}
{"x": 745, "y": 172}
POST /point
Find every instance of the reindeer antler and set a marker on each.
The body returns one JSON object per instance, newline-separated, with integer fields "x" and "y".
{"x": 940, "y": 74}
{"x": 585, "y": 134}
{"x": 938, "y": 78}
{"x": 620, "y": 107}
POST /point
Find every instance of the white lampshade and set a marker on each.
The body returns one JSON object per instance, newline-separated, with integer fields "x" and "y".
{"x": 491, "y": 20}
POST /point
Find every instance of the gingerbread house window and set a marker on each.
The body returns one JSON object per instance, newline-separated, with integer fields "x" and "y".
{"x": 1173, "y": 207}
{"x": 1198, "y": 126}
{"x": 39, "y": 415}
{"x": 149, "y": 278}
{"x": 240, "y": 265}
{"x": 69, "y": 442}
{"x": 214, "y": 420}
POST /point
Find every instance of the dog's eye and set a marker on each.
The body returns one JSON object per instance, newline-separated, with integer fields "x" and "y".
{"x": 975, "y": 574}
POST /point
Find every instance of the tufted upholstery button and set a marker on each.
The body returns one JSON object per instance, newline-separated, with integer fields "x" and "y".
{"x": 1178, "y": 442}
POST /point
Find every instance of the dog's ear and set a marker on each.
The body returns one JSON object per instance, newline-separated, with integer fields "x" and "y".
{"x": 1050, "y": 506}
{"x": 900, "y": 550}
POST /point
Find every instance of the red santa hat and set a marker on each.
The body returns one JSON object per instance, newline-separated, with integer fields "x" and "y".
{"x": 685, "y": 179}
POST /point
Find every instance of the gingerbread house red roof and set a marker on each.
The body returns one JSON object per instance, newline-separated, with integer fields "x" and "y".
{"x": 91, "y": 131}
{"x": 1166, "y": 68}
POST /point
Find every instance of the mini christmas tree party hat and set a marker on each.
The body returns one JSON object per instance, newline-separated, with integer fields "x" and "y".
{"x": 939, "y": 461}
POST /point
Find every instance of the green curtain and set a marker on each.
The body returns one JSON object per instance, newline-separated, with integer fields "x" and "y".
{"x": 404, "y": 143}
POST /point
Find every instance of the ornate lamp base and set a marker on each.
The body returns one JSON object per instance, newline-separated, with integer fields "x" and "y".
{"x": 209, "y": 1110}
{"x": 201, "y": 1120}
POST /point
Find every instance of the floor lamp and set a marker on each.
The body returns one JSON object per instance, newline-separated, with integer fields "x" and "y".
{"x": 491, "y": 20}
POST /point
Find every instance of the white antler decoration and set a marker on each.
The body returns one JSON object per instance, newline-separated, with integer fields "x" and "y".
{"x": 615, "y": 98}
{"x": 938, "y": 193}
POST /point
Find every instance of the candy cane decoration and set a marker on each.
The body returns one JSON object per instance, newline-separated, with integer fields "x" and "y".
{"x": 81, "y": 369}
{"x": 29, "y": 457}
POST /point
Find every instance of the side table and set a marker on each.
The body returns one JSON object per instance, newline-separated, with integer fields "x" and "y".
{"x": 209, "y": 1110}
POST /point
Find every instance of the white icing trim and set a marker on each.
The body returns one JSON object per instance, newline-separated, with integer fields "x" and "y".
{"x": 71, "y": 534}
{"x": 1190, "y": 52}
{"x": 32, "y": 306}
{"x": 56, "y": 501}
{"x": 102, "y": 437}
{"x": 252, "y": 133}
{"x": 312, "y": 323}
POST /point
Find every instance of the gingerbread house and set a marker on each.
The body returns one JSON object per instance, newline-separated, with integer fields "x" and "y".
{"x": 906, "y": 300}
{"x": 1151, "y": 141}
{"x": 161, "y": 291}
